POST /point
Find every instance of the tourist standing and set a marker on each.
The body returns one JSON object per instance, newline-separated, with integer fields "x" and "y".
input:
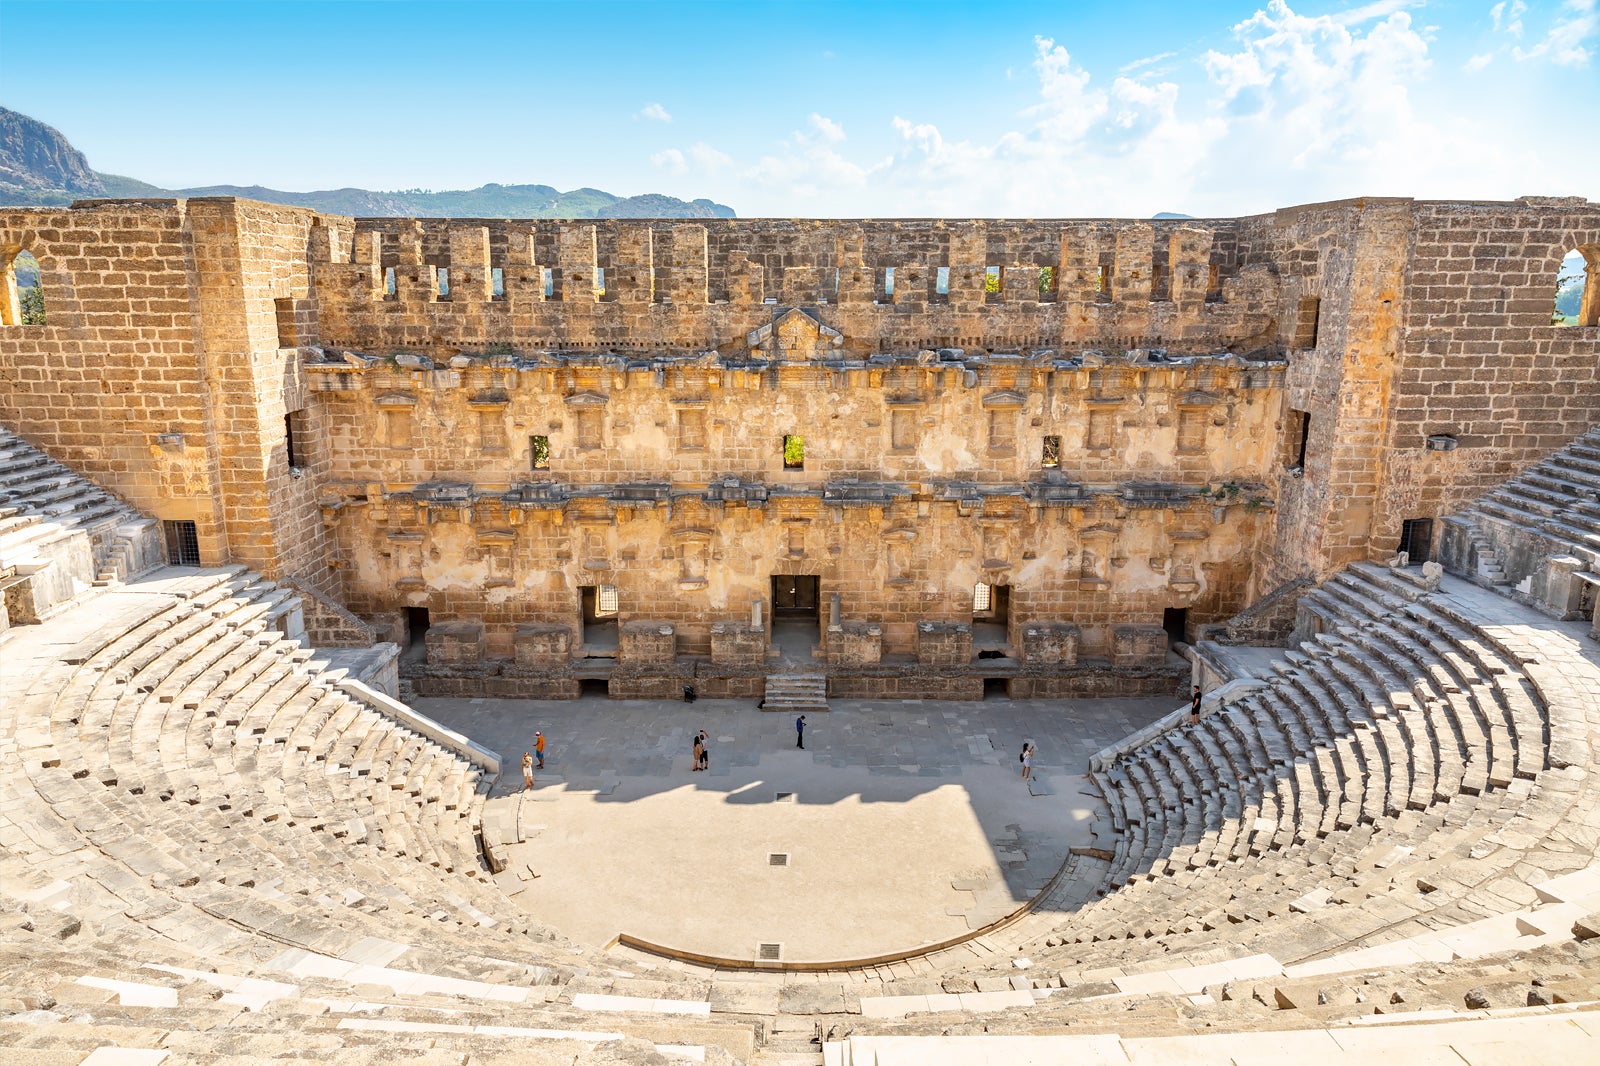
{"x": 1026, "y": 759}
{"x": 538, "y": 746}
{"x": 1194, "y": 707}
{"x": 705, "y": 750}
{"x": 800, "y": 732}
{"x": 699, "y": 749}
{"x": 527, "y": 771}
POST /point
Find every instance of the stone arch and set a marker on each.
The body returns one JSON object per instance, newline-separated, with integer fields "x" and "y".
{"x": 22, "y": 301}
{"x": 1577, "y": 289}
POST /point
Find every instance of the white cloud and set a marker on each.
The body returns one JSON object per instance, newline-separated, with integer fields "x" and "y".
{"x": 1508, "y": 17}
{"x": 1564, "y": 41}
{"x": 1137, "y": 64}
{"x": 829, "y": 129}
{"x": 671, "y": 160}
{"x": 1296, "y": 109}
{"x": 655, "y": 112}
{"x": 707, "y": 157}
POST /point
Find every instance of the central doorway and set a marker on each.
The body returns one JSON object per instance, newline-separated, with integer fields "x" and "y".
{"x": 794, "y": 595}
{"x": 796, "y": 615}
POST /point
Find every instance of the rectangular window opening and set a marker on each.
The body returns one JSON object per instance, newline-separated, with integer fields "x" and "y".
{"x": 1051, "y": 459}
{"x": 599, "y": 281}
{"x": 183, "y": 543}
{"x": 539, "y": 452}
{"x": 1047, "y": 282}
{"x": 497, "y": 283}
{"x": 294, "y": 438}
{"x": 941, "y": 283}
{"x": 794, "y": 452}
{"x": 391, "y": 287}
{"x": 444, "y": 282}
{"x": 980, "y": 598}
{"x": 1416, "y": 540}
{"x": 888, "y": 281}
{"x": 991, "y": 280}
{"x": 605, "y": 601}
{"x": 1299, "y": 434}
{"x": 549, "y": 278}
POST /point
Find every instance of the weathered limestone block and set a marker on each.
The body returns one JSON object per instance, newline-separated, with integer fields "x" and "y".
{"x": 944, "y": 643}
{"x": 1138, "y": 645}
{"x": 455, "y": 643}
{"x": 737, "y": 644}
{"x": 855, "y": 643}
{"x": 647, "y": 642}
{"x": 1056, "y": 644}
{"x": 537, "y": 646}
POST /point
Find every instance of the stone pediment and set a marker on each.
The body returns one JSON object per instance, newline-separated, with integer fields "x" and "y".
{"x": 795, "y": 335}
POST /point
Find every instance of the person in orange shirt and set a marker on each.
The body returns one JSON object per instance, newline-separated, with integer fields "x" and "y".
{"x": 538, "y": 747}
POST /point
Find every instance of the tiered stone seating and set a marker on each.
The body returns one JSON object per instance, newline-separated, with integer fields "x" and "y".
{"x": 192, "y": 784}
{"x": 1406, "y": 764}
{"x": 61, "y": 534}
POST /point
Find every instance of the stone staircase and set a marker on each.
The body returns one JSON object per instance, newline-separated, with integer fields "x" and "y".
{"x": 798, "y": 692}
{"x": 61, "y": 535}
{"x": 1551, "y": 510}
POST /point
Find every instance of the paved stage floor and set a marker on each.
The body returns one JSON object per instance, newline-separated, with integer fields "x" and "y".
{"x": 908, "y": 822}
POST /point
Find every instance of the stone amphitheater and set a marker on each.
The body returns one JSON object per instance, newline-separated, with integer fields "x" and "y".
{"x": 262, "y": 483}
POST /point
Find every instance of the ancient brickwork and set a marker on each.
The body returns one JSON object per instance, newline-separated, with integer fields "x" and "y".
{"x": 670, "y": 285}
{"x": 1482, "y": 367}
{"x": 111, "y": 384}
{"x": 1056, "y": 443}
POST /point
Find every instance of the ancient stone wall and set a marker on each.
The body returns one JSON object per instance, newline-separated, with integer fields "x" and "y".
{"x": 1107, "y": 420}
{"x": 524, "y": 285}
{"x": 111, "y": 384}
{"x": 1483, "y": 373}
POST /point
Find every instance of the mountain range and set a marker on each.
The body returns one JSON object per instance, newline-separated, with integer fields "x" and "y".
{"x": 39, "y": 167}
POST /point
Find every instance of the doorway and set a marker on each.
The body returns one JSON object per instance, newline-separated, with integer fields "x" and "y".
{"x": 996, "y": 688}
{"x": 991, "y": 614}
{"x": 794, "y": 595}
{"x": 1175, "y": 620}
{"x": 598, "y": 608}
{"x": 1416, "y": 540}
{"x": 796, "y": 615}
{"x": 416, "y": 651}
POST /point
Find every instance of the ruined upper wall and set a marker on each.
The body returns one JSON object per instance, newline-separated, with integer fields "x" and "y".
{"x": 885, "y": 286}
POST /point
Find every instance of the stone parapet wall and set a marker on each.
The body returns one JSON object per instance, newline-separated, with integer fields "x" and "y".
{"x": 472, "y": 284}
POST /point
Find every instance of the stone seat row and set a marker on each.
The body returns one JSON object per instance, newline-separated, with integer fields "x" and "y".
{"x": 1559, "y": 497}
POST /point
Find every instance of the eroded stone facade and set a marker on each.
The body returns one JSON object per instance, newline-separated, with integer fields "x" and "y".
{"x": 1122, "y": 430}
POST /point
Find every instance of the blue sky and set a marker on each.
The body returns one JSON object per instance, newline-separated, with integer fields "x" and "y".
{"x": 843, "y": 109}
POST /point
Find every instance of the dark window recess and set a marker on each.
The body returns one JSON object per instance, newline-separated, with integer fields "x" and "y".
{"x": 539, "y": 452}
{"x": 597, "y": 687}
{"x": 1175, "y": 620}
{"x": 183, "y": 543}
{"x": 416, "y": 626}
{"x": 1052, "y": 452}
{"x": 1299, "y": 434}
{"x": 294, "y": 438}
{"x": 1416, "y": 539}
